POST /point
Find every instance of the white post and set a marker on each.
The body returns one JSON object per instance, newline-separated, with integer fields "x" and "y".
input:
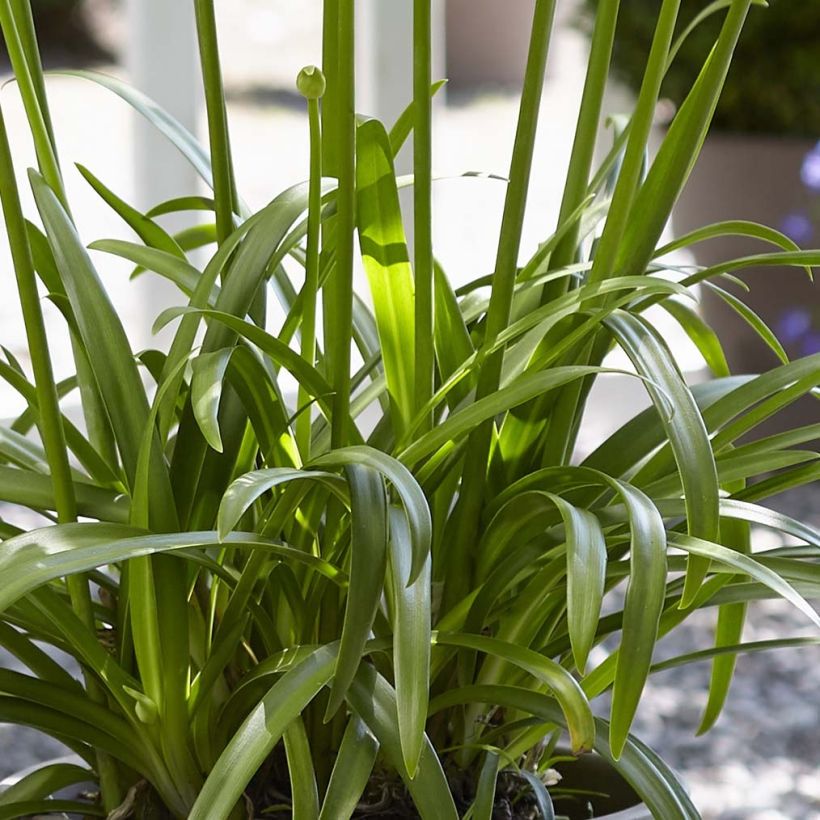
{"x": 384, "y": 52}
{"x": 161, "y": 59}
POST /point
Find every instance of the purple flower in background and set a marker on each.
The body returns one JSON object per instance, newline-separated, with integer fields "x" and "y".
{"x": 793, "y": 325}
{"x": 811, "y": 343}
{"x": 797, "y": 226}
{"x": 810, "y": 172}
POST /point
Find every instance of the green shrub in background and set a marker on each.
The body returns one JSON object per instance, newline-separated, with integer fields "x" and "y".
{"x": 773, "y": 86}
{"x": 398, "y": 583}
{"x": 64, "y": 33}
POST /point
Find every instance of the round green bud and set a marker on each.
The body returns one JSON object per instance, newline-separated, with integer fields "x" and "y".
{"x": 311, "y": 82}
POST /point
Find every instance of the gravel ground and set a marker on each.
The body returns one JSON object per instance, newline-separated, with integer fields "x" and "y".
{"x": 762, "y": 759}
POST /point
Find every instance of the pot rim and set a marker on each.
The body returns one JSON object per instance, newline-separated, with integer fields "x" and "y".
{"x": 636, "y": 812}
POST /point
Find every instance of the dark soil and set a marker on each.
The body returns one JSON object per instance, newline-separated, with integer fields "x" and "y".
{"x": 387, "y": 797}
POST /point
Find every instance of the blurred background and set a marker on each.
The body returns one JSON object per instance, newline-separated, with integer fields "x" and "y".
{"x": 762, "y": 162}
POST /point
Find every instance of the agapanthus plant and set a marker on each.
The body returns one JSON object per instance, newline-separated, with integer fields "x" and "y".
{"x": 279, "y": 608}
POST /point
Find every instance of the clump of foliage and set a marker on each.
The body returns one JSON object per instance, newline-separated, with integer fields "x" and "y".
{"x": 773, "y": 86}
{"x": 280, "y": 606}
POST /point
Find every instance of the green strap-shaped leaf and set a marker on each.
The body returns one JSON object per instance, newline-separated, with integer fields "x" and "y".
{"x": 411, "y": 646}
{"x": 150, "y": 232}
{"x": 206, "y": 391}
{"x": 34, "y": 658}
{"x": 258, "y": 255}
{"x": 685, "y": 429}
{"x": 44, "y": 782}
{"x": 644, "y": 433}
{"x": 368, "y": 563}
{"x": 387, "y": 265}
{"x": 730, "y": 408}
{"x": 745, "y": 565}
{"x": 34, "y": 558}
{"x": 35, "y": 490}
{"x": 374, "y": 700}
{"x": 542, "y": 797}
{"x": 735, "y": 534}
{"x": 738, "y": 649}
{"x": 752, "y": 319}
{"x": 586, "y": 569}
{"x": 181, "y": 203}
{"x": 517, "y": 392}
{"x": 260, "y": 732}
{"x": 70, "y": 701}
{"x": 738, "y": 466}
{"x": 406, "y": 487}
{"x": 735, "y": 509}
{"x": 403, "y": 126}
{"x": 251, "y": 486}
{"x": 567, "y": 691}
{"x": 281, "y": 354}
{"x": 701, "y": 335}
{"x": 179, "y": 271}
{"x": 656, "y": 197}
{"x": 170, "y": 127}
{"x": 351, "y": 771}
{"x": 256, "y": 385}
{"x": 642, "y": 610}
{"x": 452, "y": 339}
{"x": 29, "y": 808}
{"x": 58, "y": 723}
{"x": 733, "y": 227}
{"x": 108, "y": 350}
{"x": 484, "y": 803}
{"x": 646, "y": 773}
{"x": 303, "y": 788}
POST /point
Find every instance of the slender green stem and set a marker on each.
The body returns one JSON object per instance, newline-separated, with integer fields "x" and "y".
{"x": 338, "y": 291}
{"x": 50, "y": 422}
{"x": 225, "y": 197}
{"x": 464, "y": 522}
{"x": 330, "y": 102}
{"x": 629, "y": 176}
{"x": 422, "y": 204}
{"x": 586, "y": 132}
{"x": 11, "y": 22}
{"x": 303, "y": 423}
{"x": 25, "y": 26}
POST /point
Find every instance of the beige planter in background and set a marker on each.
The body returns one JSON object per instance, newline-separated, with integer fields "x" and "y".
{"x": 759, "y": 179}
{"x": 762, "y": 179}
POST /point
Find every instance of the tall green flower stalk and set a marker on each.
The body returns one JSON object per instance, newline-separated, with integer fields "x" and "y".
{"x": 392, "y": 581}
{"x": 311, "y": 84}
{"x": 423, "y": 202}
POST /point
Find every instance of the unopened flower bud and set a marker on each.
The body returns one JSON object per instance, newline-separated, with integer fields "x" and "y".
{"x": 311, "y": 82}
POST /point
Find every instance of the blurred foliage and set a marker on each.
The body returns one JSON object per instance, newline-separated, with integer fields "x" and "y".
{"x": 773, "y": 85}
{"x": 64, "y": 34}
